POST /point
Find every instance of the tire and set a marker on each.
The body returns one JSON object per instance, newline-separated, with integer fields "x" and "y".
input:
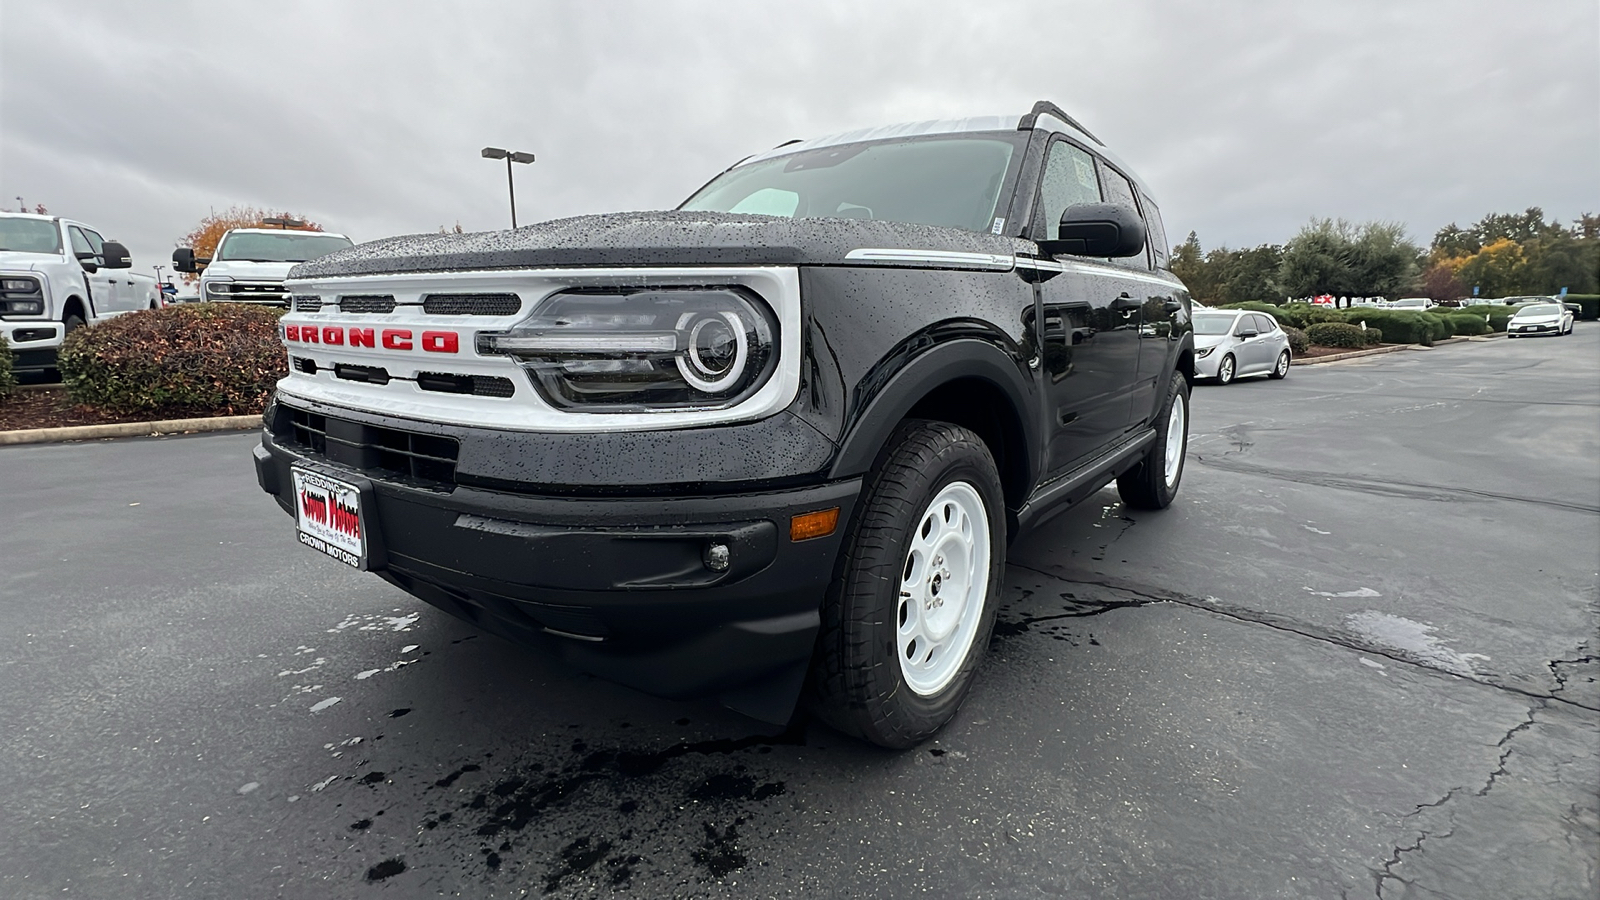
{"x": 1280, "y": 370}
{"x": 1225, "y": 369}
{"x": 73, "y": 321}
{"x": 1153, "y": 483}
{"x": 898, "y": 647}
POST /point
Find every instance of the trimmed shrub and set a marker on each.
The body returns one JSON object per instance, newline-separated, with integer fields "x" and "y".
{"x": 201, "y": 358}
{"x": 1466, "y": 323}
{"x": 8, "y": 379}
{"x": 1590, "y": 304}
{"x": 1403, "y": 326}
{"x": 1337, "y": 334}
{"x": 1298, "y": 342}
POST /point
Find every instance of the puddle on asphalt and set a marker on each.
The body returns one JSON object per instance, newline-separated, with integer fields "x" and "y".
{"x": 590, "y": 820}
{"x": 1413, "y": 639}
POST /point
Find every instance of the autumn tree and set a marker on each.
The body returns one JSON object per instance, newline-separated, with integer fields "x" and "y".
{"x": 205, "y": 236}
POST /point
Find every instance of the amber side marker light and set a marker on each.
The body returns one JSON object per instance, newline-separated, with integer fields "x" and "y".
{"x": 810, "y": 525}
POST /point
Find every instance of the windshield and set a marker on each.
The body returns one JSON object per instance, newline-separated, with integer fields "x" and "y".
{"x": 1212, "y": 323}
{"x": 1543, "y": 309}
{"x": 30, "y": 235}
{"x": 287, "y": 246}
{"x": 953, "y": 182}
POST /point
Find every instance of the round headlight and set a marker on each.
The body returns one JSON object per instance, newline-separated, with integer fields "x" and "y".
{"x": 717, "y": 352}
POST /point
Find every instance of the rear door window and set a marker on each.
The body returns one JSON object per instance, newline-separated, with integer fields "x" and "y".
{"x": 1119, "y": 190}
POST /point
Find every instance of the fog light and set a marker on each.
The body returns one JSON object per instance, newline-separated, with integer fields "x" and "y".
{"x": 717, "y": 556}
{"x": 810, "y": 525}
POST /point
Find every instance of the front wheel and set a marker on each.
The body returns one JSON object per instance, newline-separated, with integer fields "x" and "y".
{"x": 1154, "y": 481}
{"x": 1225, "y": 370}
{"x": 911, "y": 610}
{"x": 1281, "y": 370}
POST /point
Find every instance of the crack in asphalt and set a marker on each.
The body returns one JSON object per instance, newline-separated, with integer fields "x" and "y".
{"x": 1379, "y": 877}
{"x": 1346, "y": 641}
{"x": 1384, "y": 488}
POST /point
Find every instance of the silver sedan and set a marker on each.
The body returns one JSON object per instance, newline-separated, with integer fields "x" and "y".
{"x": 1235, "y": 343}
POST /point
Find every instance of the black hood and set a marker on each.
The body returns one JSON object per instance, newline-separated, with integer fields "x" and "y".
{"x": 672, "y": 238}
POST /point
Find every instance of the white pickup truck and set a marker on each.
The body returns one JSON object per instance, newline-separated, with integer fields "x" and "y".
{"x": 251, "y": 263}
{"x": 57, "y": 275}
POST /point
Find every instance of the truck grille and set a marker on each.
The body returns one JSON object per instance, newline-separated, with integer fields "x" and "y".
{"x": 307, "y": 304}
{"x": 263, "y": 292}
{"x": 367, "y": 304}
{"x": 471, "y": 304}
{"x": 425, "y": 460}
{"x": 479, "y": 385}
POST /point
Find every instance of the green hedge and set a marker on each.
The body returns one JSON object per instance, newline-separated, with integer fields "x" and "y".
{"x": 8, "y": 379}
{"x": 201, "y": 358}
{"x": 1466, "y": 323}
{"x": 1590, "y": 304}
{"x": 1401, "y": 326}
{"x": 1298, "y": 342}
{"x": 1342, "y": 334}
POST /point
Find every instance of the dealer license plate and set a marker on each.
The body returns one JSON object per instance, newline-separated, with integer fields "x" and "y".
{"x": 328, "y": 517}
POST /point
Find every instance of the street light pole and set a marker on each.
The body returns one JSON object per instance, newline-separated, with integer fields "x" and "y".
{"x": 510, "y": 156}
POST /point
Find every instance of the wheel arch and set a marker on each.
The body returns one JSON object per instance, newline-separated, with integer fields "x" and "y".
{"x": 970, "y": 383}
{"x": 75, "y": 303}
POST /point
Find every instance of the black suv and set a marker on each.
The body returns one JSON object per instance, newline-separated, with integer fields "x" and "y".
{"x": 769, "y": 445}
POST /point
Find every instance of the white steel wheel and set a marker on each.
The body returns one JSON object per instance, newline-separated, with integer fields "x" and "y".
{"x": 1176, "y": 443}
{"x": 942, "y": 589}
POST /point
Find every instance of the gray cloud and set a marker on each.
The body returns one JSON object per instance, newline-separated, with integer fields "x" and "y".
{"x": 1247, "y": 118}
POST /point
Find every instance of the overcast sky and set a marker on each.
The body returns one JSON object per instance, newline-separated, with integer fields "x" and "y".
{"x": 1246, "y": 118}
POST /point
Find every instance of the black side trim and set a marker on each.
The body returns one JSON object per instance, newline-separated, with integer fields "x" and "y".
{"x": 1061, "y": 494}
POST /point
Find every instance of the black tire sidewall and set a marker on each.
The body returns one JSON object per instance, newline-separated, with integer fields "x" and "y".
{"x": 871, "y": 582}
{"x": 1280, "y": 368}
{"x": 1145, "y": 485}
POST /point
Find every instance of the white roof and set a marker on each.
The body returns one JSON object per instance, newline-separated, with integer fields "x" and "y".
{"x": 282, "y": 230}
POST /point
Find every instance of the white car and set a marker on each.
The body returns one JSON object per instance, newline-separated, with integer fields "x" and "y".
{"x": 57, "y": 275}
{"x": 1540, "y": 318}
{"x": 1235, "y": 343}
{"x": 1419, "y": 304}
{"x": 251, "y": 263}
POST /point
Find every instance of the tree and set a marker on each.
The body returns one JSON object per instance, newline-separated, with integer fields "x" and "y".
{"x": 1496, "y": 270}
{"x": 205, "y": 236}
{"x": 1335, "y": 257}
{"x": 1441, "y": 284}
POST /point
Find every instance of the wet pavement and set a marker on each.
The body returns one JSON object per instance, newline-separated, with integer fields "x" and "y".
{"x": 1357, "y": 658}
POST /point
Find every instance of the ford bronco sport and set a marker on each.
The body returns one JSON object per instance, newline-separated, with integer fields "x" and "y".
{"x": 768, "y": 446}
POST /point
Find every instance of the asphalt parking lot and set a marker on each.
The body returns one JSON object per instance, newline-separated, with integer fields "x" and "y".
{"x": 1357, "y": 658}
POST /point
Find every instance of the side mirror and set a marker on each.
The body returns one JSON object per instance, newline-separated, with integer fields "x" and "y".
{"x": 89, "y": 261}
{"x": 1246, "y": 335}
{"x": 116, "y": 255}
{"x": 1097, "y": 229}
{"x": 183, "y": 260}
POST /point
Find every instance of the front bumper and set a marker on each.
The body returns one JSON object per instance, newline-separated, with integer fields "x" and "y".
{"x": 1526, "y": 330}
{"x": 34, "y": 344}
{"x": 617, "y": 585}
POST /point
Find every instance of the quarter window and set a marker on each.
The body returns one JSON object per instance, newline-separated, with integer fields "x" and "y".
{"x": 80, "y": 242}
{"x": 1158, "y": 232}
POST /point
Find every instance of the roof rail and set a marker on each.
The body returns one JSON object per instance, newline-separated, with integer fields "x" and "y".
{"x": 1048, "y": 108}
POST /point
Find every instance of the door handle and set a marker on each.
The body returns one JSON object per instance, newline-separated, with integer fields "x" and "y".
{"x": 1124, "y": 303}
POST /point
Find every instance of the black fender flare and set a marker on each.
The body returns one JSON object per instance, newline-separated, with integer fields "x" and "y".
{"x": 940, "y": 364}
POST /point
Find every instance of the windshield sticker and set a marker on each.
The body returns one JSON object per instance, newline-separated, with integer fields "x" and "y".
{"x": 1085, "y": 172}
{"x": 999, "y": 224}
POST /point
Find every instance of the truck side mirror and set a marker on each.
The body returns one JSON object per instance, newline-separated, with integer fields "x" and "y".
{"x": 1097, "y": 229}
{"x": 89, "y": 261}
{"x": 183, "y": 260}
{"x": 116, "y": 255}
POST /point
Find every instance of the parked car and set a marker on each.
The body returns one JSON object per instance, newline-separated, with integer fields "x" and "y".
{"x": 1540, "y": 318}
{"x": 57, "y": 275}
{"x": 1419, "y": 304}
{"x": 1519, "y": 301}
{"x": 1230, "y": 343}
{"x": 773, "y": 442}
{"x": 250, "y": 263}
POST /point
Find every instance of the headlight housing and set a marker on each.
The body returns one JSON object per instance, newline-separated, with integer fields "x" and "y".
{"x": 214, "y": 287}
{"x": 1203, "y": 352}
{"x": 644, "y": 349}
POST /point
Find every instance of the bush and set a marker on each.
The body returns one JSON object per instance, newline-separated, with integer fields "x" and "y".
{"x": 203, "y": 358}
{"x": 8, "y": 379}
{"x": 1337, "y": 334}
{"x": 1466, "y": 323}
{"x": 1298, "y": 342}
{"x": 1403, "y": 326}
{"x": 1590, "y": 304}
